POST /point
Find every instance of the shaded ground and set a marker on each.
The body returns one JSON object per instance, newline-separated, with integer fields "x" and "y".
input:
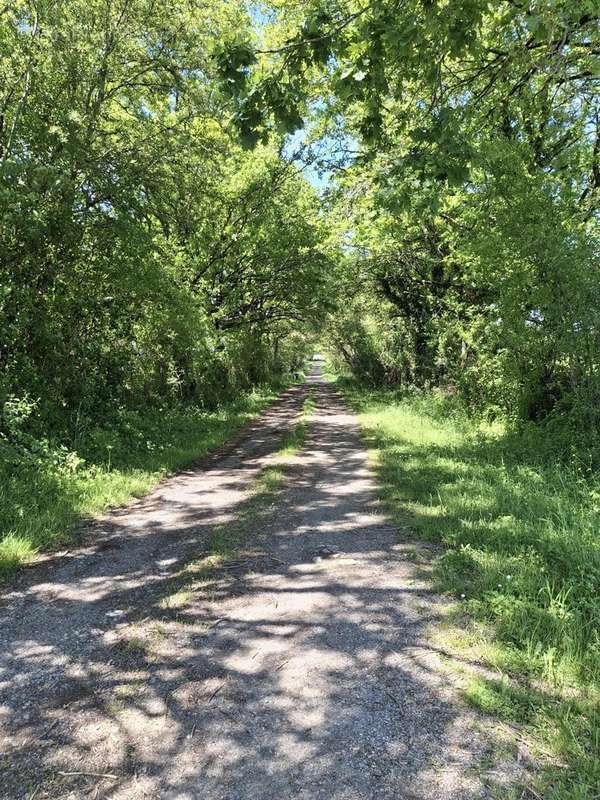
{"x": 301, "y": 669}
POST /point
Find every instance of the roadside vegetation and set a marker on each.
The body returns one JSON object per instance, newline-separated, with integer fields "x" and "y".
{"x": 295, "y": 439}
{"x": 46, "y": 487}
{"x": 155, "y": 277}
{"x": 193, "y": 193}
{"x": 520, "y": 555}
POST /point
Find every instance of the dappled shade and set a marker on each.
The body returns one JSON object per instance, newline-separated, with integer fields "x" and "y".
{"x": 301, "y": 667}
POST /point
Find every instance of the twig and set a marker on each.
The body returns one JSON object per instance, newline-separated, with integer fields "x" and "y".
{"x": 278, "y": 560}
{"x": 518, "y": 735}
{"x": 232, "y": 717}
{"x": 216, "y": 691}
{"x": 166, "y": 702}
{"x": 340, "y": 25}
{"x": 50, "y": 728}
{"x": 394, "y": 698}
{"x": 236, "y": 565}
{"x": 91, "y": 774}
{"x": 533, "y": 793}
{"x": 42, "y": 735}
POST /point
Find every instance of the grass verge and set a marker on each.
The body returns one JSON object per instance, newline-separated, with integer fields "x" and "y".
{"x": 522, "y": 558}
{"x": 226, "y": 540}
{"x": 45, "y": 488}
{"x": 294, "y": 440}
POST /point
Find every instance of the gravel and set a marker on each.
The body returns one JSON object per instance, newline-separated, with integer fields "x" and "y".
{"x": 311, "y": 673}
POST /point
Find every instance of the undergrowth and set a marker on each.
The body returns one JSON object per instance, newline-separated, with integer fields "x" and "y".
{"x": 47, "y": 485}
{"x": 294, "y": 440}
{"x": 521, "y": 557}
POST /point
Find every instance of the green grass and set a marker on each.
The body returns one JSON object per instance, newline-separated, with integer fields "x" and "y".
{"x": 294, "y": 440}
{"x": 226, "y": 539}
{"x": 522, "y": 558}
{"x": 45, "y": 489}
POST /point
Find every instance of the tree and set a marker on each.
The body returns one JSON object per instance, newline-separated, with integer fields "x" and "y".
{"x": 139, "y": 244}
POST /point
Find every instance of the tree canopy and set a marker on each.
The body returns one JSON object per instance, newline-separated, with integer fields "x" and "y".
{"x": 160, "y": 238}
{"x": 469, "y": 209}
{"x": 143, "y": 253}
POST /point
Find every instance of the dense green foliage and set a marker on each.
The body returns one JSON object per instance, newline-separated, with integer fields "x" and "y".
{"x": 162, "y": 254}
{"x": 149, "y": 267}
{"x": 143, "y": 255}
{"x": 521, "y": 553}
{"x": 470, "y": 209}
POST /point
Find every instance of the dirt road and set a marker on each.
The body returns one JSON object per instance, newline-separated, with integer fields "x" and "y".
{"x": 137, "y": 666}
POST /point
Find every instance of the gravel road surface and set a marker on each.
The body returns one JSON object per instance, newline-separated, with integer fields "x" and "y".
{"x": 303, "y": 667}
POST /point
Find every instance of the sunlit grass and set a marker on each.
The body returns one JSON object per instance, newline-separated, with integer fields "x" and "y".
{"x": 521, "y": 558}
{"x": 294, "y": 440}
{"x": 226, "y": 540}
{"x": 41, "y": 500}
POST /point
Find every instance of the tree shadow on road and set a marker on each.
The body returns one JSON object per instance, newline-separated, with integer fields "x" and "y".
{"x": 301, "y": 667}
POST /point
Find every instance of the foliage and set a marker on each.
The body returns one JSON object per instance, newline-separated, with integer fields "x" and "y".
{"x": 492, "y": 296}
{"x": 149, "y": 267}
{"x": 521, "y": 556}
{"x": 143, "y": 254}
{"x": 470, "y": 212}
{"x": 45, "y": 486}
